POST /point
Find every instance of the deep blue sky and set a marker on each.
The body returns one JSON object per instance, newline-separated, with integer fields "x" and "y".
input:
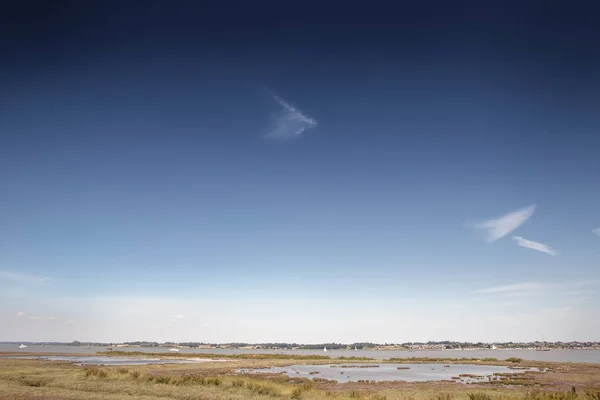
{"x": 136, "y": 163}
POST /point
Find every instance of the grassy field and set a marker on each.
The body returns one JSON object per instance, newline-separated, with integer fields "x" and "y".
{"x": 36, "y": 379}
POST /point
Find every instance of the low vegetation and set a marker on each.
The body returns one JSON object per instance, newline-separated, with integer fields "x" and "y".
{"x": 36, "y": 379}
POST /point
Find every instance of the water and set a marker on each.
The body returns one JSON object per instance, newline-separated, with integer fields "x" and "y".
{"x": 100, "y": 360}
{"x": 391, "y": 372}
{"x": 587, "y": 356}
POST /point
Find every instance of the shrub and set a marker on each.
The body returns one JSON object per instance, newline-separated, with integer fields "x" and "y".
{"x": 238, "y": 383}
{"x": 213, "y": 381}
{"x": 90, "y": 371}
{"x": 539, "y": 395}
{"x": 93, "y": 371}
{"x": 593, "y": 395}
{"x": 162, "y": 379}
{"x": 33, "y": 382}
{"x": 514, "y": 359}
{"x": 261, "y": 389}
{"x": 297, "y": 393}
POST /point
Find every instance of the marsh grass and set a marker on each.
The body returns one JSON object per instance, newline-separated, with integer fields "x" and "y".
{"x": 444, "y": 396}
{"x": 24, "y": 379}
{"x": 566, "y": 395}
{"x": 34, "y": 382}
{"x": 95, "y": 371}
{"x": 479, "y": 396}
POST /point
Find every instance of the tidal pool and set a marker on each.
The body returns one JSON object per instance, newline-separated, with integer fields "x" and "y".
{"x": 462, "y": 373}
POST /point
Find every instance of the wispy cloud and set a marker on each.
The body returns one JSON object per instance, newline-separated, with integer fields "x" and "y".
{"x": 517, "y": 287}
{"x": 179, "y": 316}
{"x": 42, "y": 318}
{"x": 529, "y": 244}
{"x": 596, "y": 231}
{"x": 499, "y": 227}
{"x": 289, "y": 122}
{"x": 20, "y": 314}
{"x": 565, "y": 288}
{"x": 24, "y": 279}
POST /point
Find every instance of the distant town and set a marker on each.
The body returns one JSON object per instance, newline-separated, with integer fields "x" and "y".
{"x": 410, "y": 346}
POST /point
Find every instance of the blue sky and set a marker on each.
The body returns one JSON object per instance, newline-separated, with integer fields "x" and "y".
{"x": 300, "y": 187}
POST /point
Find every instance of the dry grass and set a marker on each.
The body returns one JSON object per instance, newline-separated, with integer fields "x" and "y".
{"x": 44, "y": 380}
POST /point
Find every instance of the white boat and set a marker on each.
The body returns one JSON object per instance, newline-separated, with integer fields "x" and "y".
{"x": 22, "y": 346}
{"x": 174, "y": 350}
{"x": 325, "y": 349}
{"x": 355, "y": 349}
{"x": 543, "y": 348}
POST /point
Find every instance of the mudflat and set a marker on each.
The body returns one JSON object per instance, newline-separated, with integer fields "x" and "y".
{"x": 22, "y": 379}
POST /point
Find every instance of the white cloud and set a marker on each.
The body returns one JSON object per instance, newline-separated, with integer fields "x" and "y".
{"x": 42, "y": 318}
{"x": 20, "y": 314}
{"x": 517, "y": 287}
{"x": 596, "y": 231}
{"x": 529, "y": 244}
{"x": 24, "y": 279}
{"x": 566, "y": 288}
{"x": 290, "y": 122}
{"x": 177, "y": 317}
{"x": 499, "y": 227}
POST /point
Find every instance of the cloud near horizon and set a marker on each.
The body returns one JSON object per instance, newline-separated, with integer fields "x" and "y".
{"x": 131, "y": 317}
{"x": 499, "y": 227}
{"x": 529, "y": 244}
{"x": 568, "y": 288}
{"x": 42, "y": 318}
{"x": 517, "y": 287}
{"x": 289, "y": 122}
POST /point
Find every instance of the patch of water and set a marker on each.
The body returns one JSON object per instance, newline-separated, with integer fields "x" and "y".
{"x": 587, "y": 356}
{"x": 99, "y": 360}
{"x": 462, "y": 373}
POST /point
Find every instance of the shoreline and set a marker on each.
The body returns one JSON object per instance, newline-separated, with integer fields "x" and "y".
{"x": 34, "y": 378}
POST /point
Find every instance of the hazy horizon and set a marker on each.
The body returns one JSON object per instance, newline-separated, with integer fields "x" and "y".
{"x": 182, "y": 172}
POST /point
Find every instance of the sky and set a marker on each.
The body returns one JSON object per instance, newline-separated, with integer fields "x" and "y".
{"x": 261, "y": 171}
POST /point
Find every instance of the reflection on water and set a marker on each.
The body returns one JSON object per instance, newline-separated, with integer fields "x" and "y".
{"x": 463, "y": 373}
{"x": 590, "y": 356}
